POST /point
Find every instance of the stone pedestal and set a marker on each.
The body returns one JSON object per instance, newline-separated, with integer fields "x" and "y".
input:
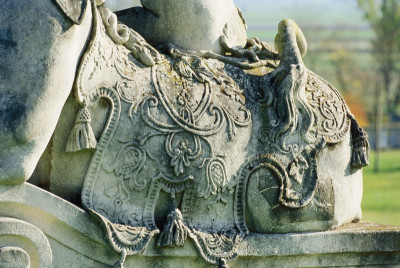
{"x": 55, "y": 233}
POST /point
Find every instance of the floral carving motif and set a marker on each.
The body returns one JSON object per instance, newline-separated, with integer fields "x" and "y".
{"x": 181, "y": 154}
{"x": 329, "y": 109}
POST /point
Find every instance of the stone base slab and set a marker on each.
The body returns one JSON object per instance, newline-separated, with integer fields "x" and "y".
{"x": 76, "y": 240}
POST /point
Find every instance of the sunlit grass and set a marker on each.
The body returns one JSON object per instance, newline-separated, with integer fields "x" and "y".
{"x": 381, "y": 199}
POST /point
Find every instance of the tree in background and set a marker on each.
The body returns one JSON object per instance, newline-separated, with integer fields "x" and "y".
{"x": 384, "y": 18}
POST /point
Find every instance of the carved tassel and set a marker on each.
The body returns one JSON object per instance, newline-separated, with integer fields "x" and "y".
{"x": 222, "y": 263}
{"x": 81, "y": 136}
{"x": 175, "y": 232}
{"x": 360, "y": 144}
{"x": 360, "y": 155}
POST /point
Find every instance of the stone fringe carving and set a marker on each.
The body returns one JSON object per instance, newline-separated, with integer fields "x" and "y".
{"x": 125, "y": 239}
{"x": 360, "y": 144}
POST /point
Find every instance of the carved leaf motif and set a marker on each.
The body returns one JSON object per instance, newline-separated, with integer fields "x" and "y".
{"x": 126, "y": 90}
{"x": 180, "y": 152}
{"x": 129, "y": 161}
{"x": 180, "y": 160}
{"x": 217, "y": 173}
{"x": 293, "y": 169}
{"x": 210, "y": 115}
{"x": 118, "y": 192}
{"x": 184, "y": 68}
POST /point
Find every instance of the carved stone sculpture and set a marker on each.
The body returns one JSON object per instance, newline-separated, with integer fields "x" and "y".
{"x": 197, "y": 147}
{"x": 208, "y": 137}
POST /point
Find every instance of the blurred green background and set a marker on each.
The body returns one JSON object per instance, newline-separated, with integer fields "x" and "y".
{"x": 356, "y": 46}
{"x": 381, "y": 199}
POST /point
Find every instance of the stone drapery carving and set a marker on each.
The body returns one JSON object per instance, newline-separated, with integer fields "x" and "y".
{"x": 214, "y": 141}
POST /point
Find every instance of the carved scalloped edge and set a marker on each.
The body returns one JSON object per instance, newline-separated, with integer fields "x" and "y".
{"x": 141, "y": 234}
{"x": 205, "y": 251}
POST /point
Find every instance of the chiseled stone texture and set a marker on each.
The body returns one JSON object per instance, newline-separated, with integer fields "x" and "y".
{"x": 339, "y": 189}
{"x": 21, "y": 243}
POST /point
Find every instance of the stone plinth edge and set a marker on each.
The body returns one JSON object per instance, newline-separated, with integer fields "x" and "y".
{"x": 76, "y": 240}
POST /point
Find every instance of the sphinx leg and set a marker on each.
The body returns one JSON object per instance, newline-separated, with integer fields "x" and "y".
{"x": 39, "y": 52}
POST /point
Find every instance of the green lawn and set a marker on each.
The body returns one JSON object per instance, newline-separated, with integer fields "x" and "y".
{"x": 381, "y": 199}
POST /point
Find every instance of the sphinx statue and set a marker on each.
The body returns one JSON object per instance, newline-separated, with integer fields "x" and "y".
{"x": 183, "y": 129}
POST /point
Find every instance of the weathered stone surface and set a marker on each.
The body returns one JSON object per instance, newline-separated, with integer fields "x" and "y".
{"x": 337, "y": 198}
{"x": 39, "y": 53}
{"x": 14, "y": 257}
{"x": 21, "y": 243}
{"x": 194, "y": 25}
{"x": 74, "y": 9}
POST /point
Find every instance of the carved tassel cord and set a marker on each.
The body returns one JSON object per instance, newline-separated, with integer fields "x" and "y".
{"x": 360, "y": 145}
{"x": 360, "y": 155}
{"x": 81, "y": 136}
{"x": 175, "y": 232}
